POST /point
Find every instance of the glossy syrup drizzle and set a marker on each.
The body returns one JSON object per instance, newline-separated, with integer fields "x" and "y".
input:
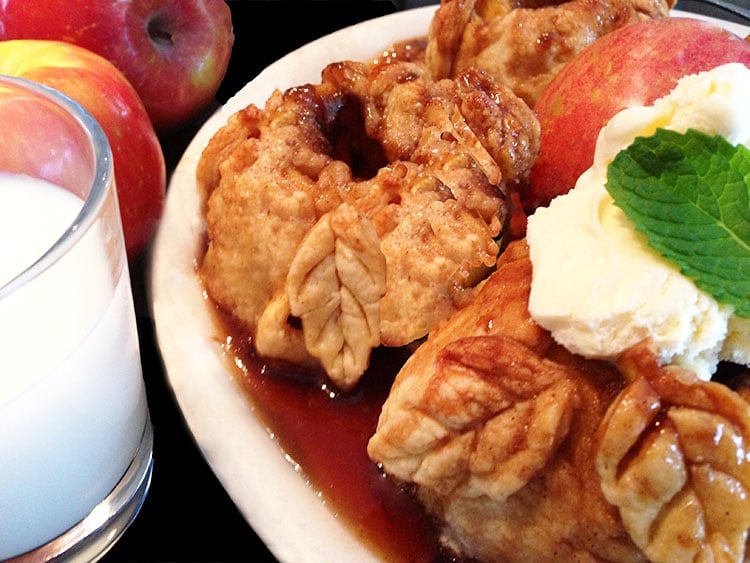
{"x": 325, "y": 433}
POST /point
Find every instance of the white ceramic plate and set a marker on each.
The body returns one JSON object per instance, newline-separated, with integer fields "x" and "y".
{"x": 288, "y": 516}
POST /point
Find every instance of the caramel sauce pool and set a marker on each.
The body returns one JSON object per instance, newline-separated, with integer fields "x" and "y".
{"x": 326, "y": 433}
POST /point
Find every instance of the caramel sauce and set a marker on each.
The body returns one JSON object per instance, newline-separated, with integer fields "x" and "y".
{"x": 325, "y": 432}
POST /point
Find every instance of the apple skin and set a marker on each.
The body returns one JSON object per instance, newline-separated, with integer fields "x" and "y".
{"x": 175, "y": 53}
{"x": 27, "y": 155}
{"x": 96, "y": 84}
{"x": 633, "y": 65}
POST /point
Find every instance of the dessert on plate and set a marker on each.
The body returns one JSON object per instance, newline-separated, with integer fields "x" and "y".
{"x": 380, "y": 207}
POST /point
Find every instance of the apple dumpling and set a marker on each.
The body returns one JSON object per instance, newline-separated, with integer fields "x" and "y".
{"x": 527, "y": 452}
{"x": 524, "y": 43}
{"x": 362, "y": 210}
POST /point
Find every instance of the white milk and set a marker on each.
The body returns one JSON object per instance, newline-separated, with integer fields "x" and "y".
{"x": 72, "y": 401}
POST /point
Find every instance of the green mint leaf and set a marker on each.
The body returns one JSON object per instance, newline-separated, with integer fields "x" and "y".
{"x": 688, "y": 194}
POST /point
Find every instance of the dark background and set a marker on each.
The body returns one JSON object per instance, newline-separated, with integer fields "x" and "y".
{"x": 187, "y": 515}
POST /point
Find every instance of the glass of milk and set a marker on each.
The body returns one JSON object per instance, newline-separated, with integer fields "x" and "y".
{"x": 75, "y": 434}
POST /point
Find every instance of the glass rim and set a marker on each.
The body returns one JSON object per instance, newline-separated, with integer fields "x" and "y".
{"x": 103, "y": 175}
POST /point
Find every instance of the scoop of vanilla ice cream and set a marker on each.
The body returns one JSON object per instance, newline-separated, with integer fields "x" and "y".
{"x": 596, "y": 284}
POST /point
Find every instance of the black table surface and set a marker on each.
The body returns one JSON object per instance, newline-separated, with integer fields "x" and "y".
{"x": 187, "y": 515}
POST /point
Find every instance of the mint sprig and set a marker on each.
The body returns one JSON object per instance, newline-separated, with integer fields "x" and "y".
{"x": 688, "y": 194}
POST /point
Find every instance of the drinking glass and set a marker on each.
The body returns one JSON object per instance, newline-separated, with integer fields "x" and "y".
{"x": 75, "y": 433}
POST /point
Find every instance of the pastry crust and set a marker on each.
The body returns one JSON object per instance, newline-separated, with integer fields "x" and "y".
{"x": 526, "y": 452}
{"x": 523, "y": 44}
{"x": 362, "y": 210}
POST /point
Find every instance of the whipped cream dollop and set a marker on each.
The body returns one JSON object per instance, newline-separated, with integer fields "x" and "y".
{"x": 597, "y": 285}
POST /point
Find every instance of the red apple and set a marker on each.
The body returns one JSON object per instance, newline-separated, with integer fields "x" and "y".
{"x": 633, "y": 65}
{"x": 53, "y": 134}
{"x": 174, "y": 52}
{"x": 101, "y": 88}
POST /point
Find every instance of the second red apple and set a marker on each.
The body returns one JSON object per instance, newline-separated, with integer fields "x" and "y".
{"x": 174, "y": 52}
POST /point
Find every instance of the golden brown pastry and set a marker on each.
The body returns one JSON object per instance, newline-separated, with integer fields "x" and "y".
{"x": 524, "y": 43}
{"x": 673, "y": 458}
{"x": 526, "y": 452}
{"x": 362, "y": 210}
